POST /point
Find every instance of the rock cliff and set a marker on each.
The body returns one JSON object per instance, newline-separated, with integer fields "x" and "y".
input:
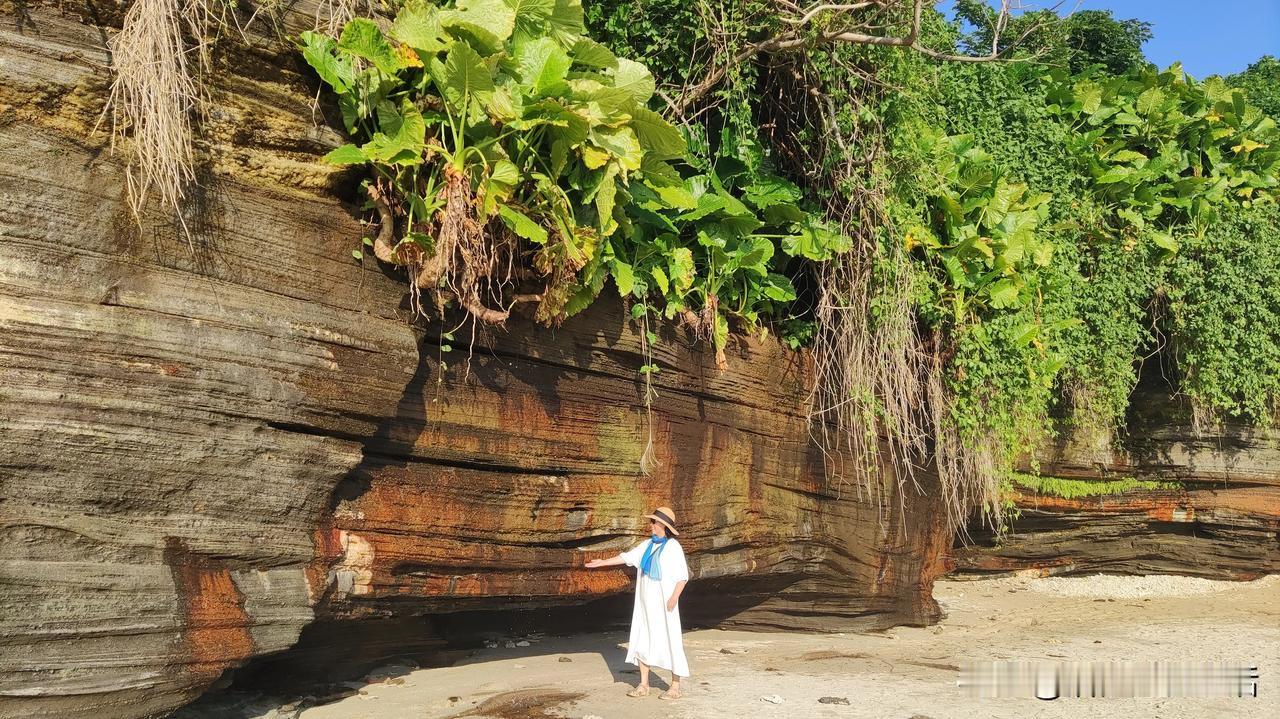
{"x": 1205, "y": 504}
{"x": 208, "y": 443}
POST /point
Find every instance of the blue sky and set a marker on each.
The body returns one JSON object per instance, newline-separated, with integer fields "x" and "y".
{"x": 1210, "y": 37}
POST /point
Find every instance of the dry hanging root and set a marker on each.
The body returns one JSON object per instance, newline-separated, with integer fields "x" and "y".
{"x": 156, "y": 90}
{"x": 152, "y": 98}
{"x": 468, "y": 261}
{"x": 702, "y": 325}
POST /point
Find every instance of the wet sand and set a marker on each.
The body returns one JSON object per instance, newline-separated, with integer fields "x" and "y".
{"x": 905, "y": 672}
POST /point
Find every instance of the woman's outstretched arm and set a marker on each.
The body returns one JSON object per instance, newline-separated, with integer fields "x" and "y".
{"x": 610, "y": 562}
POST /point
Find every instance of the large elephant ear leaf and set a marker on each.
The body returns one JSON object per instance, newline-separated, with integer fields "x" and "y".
{"x": 531, "y": 17}
{"x": 634, "y": 78}
{"x": 418, "y": 26}
{"x": 543, "y": 65}
{"x": 605, "y": 200}
{"x": 522, "y": 224}
{"x": 659, "y": 138}
{"x": 363, "y": 39}
{"x": 319, "y": 52}
{"x": 816, "y": 241}
{"x": 589, "y": 53}
{"x": 463, "y": 75}
{"x": 566, "y": 22}
{"x": 488, "y": 22}
{"x": 402, "y": 138}
{"x": 347, "y": 154}
{"x": 1004, "y": 294}
{"x": 622, "y": 144}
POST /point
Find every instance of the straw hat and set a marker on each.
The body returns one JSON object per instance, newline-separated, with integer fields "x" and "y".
{"x": 666, "y": 517}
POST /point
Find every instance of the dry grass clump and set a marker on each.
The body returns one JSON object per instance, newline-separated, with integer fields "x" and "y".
{"x": 332, "y": 15}
{"x": 159, "y": 57}
{"x": 153, "y": 98}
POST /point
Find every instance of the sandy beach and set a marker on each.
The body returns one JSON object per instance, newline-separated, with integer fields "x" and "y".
{"x": 905, "y": 672}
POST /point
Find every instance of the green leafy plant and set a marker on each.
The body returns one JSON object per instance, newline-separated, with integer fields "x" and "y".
{"x": 1166, "y": 152}
{"x": 501, "y": 141}
{"x": 718, "y": 246}
{"x": 509, "y": 150}
{"x": 981, "y": 229}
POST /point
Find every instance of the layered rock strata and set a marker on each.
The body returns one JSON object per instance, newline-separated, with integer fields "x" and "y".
{"x": 1206, "y": 503}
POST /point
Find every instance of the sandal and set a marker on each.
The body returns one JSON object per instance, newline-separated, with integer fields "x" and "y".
{"x": 639, "y": 692}
{"x": 669, "y": 695}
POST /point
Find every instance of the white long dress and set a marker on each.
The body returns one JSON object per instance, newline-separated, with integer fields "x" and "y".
{"x": 655, "y": 632}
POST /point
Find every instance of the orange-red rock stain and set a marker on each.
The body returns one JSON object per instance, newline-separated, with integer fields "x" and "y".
{"x": 215, "y": 627}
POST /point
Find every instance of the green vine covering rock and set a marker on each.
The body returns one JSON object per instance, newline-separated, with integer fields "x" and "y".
{"x": 1224, "y": 317}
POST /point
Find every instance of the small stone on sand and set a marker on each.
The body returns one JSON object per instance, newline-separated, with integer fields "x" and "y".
{"x": 833, "y": 700}
{"x": 772, "y": 699}
{"x": 564, "y": 660}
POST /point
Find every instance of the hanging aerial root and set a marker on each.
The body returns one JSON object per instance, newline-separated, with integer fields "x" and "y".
{"x": 384, "y": 244}
{"x": 152, "y": 98}
{"x": 468, "y": 262}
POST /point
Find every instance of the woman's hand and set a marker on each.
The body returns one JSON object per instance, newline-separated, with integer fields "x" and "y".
{"x": 674, "y": 599}
{"x": 610, "y": 562}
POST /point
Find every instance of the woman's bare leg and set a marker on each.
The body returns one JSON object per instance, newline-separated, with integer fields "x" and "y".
{"x": 642, "y": 689}
{"x": 673, "y": 692}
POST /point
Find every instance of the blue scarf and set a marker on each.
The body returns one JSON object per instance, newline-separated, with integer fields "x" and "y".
{"x": 649, "y": 563}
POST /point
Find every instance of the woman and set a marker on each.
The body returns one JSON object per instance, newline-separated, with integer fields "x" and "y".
{"x": 655, "y": 621}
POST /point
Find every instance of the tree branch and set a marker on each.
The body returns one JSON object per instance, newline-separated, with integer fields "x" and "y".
{"x": 793, "y": 41}
{"x": 822, "y": 8}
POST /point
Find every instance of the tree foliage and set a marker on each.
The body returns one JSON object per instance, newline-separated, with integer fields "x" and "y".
{"x": 1082, "y": 40}
{"x": 1261, "y": 85}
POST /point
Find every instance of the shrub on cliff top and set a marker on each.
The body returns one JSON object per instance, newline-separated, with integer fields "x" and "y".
{"x": 515, "y": 159}
{"x": 491, "y": 129}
